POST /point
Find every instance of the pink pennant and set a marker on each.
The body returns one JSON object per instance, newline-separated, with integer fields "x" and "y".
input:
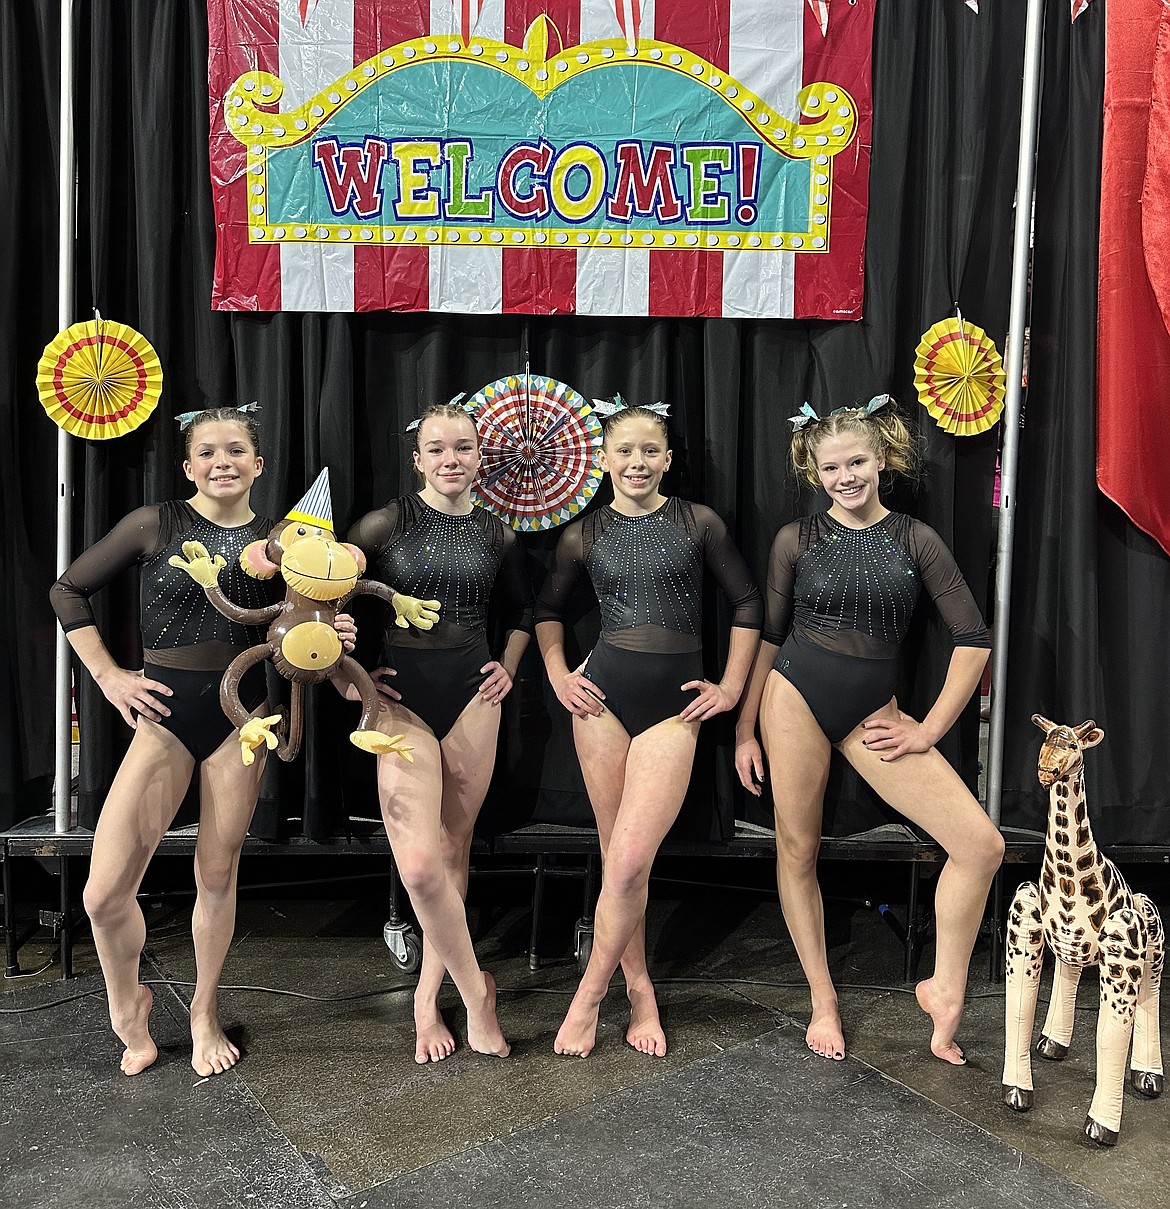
{"x": 820, "y": 10}
{"x": 306, "y": 8}
{"x": 1076, "y": 8}
{"x": 629, "y": 16}
{"x": 467, "y": 14}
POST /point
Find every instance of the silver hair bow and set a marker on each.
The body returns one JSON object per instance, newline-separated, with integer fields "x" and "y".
{"x": 184, "y": 418}
{"x": 808, "y": 416}
{"x": 610, "y": 407}
{"x": 454, "y": 401}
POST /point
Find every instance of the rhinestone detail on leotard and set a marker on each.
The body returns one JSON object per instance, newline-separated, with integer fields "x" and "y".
{"x": 175, "y": 609}
{"x": 444, "y": 558}
{"x": 856, "y": 579}
{"x": 647, "y": 571}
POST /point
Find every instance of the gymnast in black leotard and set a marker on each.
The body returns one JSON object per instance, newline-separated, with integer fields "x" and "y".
{"x": 461, "y": 561}
{"x": 638, "y": 699}
{"x": 839, "y": 599}
{"x": 173, "y": 705}
{"x": 442, "y": 689}
{"x": 841, "y": 588}
{"x": 186, "y": 642}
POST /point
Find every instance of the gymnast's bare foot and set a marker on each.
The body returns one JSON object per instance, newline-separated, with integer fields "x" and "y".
{"x": 824, "y": 1035}
{"x": 645, "y": 1033}
{"x": 134, "y": 1033}
{"x": 578, "y": 1031}
{"x": 212, "y": 1053}
{"x": 945, "y": 1011}
{"x": 483, "y": 1029}
{"x": 433, "y": 1040}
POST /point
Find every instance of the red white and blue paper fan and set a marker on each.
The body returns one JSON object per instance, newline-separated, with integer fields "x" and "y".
{"x": 537, "y": 441}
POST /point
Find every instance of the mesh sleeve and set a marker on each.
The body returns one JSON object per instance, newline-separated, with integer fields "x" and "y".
{"x": 375, "y": 531}
{"x": 730, "y": 570}
{"x": 948, "y": 589}
{"x": 133, "y": 539}
{"x": 560, "y": 582}
{"x": 779, "y": 590}
{"x": 513, "y": 587}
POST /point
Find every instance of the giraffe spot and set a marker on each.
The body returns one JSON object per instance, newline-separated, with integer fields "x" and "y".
{"x": 1086, "y": 862}
{"x": 1067, "y": 888}
{"x": 1097, "y": 917}
{"x": 1084, "y": 836}
{"x": 1090, "y": 891}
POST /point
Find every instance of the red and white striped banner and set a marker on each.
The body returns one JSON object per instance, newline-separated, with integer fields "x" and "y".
{"x": 304, "y": 53}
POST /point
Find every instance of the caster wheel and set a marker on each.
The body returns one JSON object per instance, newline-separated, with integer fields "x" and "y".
{"x": 404, "y": 945}
{"x": 584, "y": 945}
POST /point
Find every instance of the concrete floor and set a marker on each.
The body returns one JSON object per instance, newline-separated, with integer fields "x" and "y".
{"x": 328, "y": 1106}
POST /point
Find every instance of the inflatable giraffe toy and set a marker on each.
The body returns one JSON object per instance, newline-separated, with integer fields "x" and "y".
{"x": 1084, "y": 911}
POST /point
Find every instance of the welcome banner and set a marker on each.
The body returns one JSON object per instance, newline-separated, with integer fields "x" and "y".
{"x": 596, "y": 157}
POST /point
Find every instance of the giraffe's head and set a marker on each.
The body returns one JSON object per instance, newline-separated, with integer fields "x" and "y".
{"x": 1064, "y": 746}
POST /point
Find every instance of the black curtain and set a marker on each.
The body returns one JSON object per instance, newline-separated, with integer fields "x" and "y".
{"x": 1091, "y": 592}
{"x": 339, "y": 389}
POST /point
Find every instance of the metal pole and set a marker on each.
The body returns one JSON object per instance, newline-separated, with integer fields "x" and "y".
{"x": 1021, "y": 253}
{"x": 63, "y": 778}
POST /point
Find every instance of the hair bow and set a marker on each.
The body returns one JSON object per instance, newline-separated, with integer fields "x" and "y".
{"x": 610, "y": 407}
{"x": 454, "y": 401}
{"x": 184, "y": 418}
{"x": 808, "y": 416}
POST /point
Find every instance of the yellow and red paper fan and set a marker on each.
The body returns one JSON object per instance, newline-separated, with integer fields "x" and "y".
{"x": 99, "y": 379}
{"x": 959, "y": 376}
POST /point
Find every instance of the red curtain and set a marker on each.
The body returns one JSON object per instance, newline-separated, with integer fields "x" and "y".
{"x": 1133, "y": 340}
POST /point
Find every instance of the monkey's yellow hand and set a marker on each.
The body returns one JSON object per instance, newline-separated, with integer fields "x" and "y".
{"x": 422, "y": 614}
{"x": 254, "y": 733}
{"x": 378, "y": 743}
{"x": 199, "y": 565}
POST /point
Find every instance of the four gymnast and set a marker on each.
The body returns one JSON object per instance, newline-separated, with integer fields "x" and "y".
{"x": 173, "y": 707}
{"x": 445, "y": 696}
{"x": 841, "y": 587}
{"x": 639, "y": 698}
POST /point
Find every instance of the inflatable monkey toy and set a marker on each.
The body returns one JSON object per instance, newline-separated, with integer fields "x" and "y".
{"x": 321, "y": 575}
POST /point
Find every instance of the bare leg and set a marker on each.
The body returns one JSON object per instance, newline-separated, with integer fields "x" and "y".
{"x": 658, "y": 768}
{"x": 411, "y": 799}
{"x": 604, "y": 780}
{"x": 468, "y": 753}
{"x": 928, "y": 791}
{"x": 228, "y": 792}
{"x": 798, "y": 763}
{"x": 141, "y": 804}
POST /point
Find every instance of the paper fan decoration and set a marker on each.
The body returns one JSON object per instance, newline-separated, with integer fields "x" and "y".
{"x": 959, "y": 376}
{"x": 537, "y": 439}
{"x": 99, "y": 379}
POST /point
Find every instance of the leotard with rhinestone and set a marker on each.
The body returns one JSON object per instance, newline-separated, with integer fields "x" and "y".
{"x": 854, "y": 590}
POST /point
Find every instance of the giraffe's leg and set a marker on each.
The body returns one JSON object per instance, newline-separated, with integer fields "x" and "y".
{"x": 1058, "y": 1024}
{"x": 1145, "y": 1075}
{"x": 1123, "y": 947}
{"x": 1025, "y": 955}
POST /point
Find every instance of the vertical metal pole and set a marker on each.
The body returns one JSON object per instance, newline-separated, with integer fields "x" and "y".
{"x": 63, "y": 778}
{"x": 1021, "y": 254}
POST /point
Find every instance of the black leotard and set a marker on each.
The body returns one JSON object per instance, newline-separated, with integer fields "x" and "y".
{"x": 840, "y": 602}
{"x": 181, "y": 629}
{"x": 647, "y": 572}
{"x": 456, "y": 560}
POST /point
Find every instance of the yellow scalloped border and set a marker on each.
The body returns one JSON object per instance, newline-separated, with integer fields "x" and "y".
{"x": 262, "y": 131}
{"x": 832, "y": 108}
